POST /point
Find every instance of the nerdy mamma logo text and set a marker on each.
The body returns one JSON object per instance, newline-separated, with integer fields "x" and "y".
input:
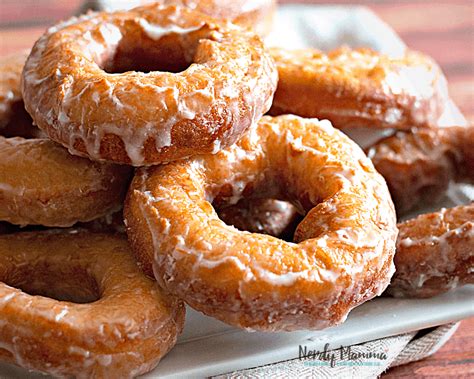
{"x": 344, "y": 356}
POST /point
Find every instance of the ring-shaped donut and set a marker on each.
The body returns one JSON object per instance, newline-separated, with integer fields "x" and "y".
{"x": 92, "y": 84}
{"x": 356, "y": 88}
{"x": 110, "y": 319}
{"x": 344, "y": 246}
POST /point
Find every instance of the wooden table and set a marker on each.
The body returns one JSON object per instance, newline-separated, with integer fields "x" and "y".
{"x": 444, "y": 30}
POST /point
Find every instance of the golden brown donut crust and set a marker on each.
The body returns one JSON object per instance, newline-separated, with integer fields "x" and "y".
{"x": 344, "y": 246}
{"x": 419, "y": 165}
{"x": 268, "y": 216}
{"x": 255, "y": 14}
{"x": 360, "y": 88}
{"x": 435, "y": 253}
{"x": 70, "y": 94}
{"x": 14, "y": 120}
{"x": 42, "y": 184}
{"x": 123, "y": 334}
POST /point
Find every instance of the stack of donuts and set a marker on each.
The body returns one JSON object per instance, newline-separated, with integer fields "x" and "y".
{"x": 139, "y": 172}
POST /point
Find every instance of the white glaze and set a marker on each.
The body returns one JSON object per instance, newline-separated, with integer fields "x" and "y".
{"x": 157, "y": 31}
{"x": 373, "y": 82}
{"x": 119, "y": 327}
{"x": 171, "y": 250}
{"x": 436, "y": 262}
{"x": 248, "y": 86}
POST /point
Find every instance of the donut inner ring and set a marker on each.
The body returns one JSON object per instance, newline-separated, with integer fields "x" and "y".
{"x": 74, "y": 282}
{"x": 137, "y": 50}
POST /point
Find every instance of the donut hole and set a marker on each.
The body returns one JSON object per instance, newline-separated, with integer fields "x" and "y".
{"x": 265, "y": 216}
{"x": 20, "y": 124}
{"x": 140, "y": 53}
{"x": 72, "y": 284}
{"x": 140, "y": 60}
{"x": 250, "y": 215}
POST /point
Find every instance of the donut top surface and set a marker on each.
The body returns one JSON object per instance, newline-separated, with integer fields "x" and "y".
{"x": 413, "y": 73}
{"x": 256, "y": 14}
{"x": 60, "y": 169}
{"x": 92, "y": 84}
{"x": 40, "y": 183}
{"x": 74, "y": 303}
{"x": 434, "y": 253}
{"x": 361, "y": 87}
{"x": 342, "y": 250}
{"x": 437, "y": 227}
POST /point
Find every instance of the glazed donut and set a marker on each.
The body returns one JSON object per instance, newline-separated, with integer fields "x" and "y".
{"x": 256, "y": 14}
{"x": 40, "y": 183}
{"x": 427, "y": 263}
{"x": 360, "y": 88}
{"x": 267, "y": 216}
{"x": 419, "y": 165}
{"x": 97, "y": 107}
{"x": 14, "y": 120}
{"x": 344, "y": 245}
{"x": 435, "y": 253}
{"x": 75, "y": 304}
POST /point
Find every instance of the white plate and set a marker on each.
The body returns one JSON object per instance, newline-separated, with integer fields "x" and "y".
{"x": 208, "y": 347}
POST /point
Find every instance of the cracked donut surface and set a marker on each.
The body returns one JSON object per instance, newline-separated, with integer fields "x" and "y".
{"x": 255, "y": 14}
{"x": 74, "y": 304}
{"x": 360, "y": 88}
{"x": 87, "y": 79}
{"x": 419, "y": 165}
{"x": 435, "y": 253}
{"x": 40, "y": 182}
{"x": 343, "y": 249}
